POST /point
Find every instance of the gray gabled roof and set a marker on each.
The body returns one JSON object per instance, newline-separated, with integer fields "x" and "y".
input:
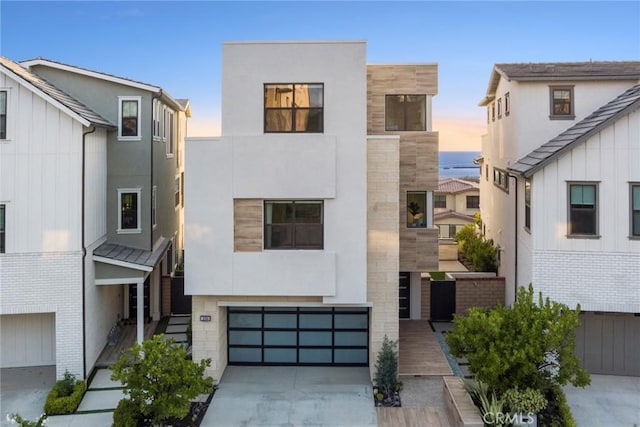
{"x": 56, "y": 94}
{"x": 595, "y": 122}
{"x": 561, "y": 71}
{"x": 112, "y": 253}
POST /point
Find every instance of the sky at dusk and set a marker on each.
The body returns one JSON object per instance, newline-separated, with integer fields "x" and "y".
{"x": 177, "y": 45}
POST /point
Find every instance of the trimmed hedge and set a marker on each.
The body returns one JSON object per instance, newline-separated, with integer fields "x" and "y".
{"x": 557, "y": 413}
{"x": 60, "y": 405}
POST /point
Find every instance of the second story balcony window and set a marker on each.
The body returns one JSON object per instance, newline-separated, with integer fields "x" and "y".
{"x": 293, "y": 224}
{"x": 294, "y": 107}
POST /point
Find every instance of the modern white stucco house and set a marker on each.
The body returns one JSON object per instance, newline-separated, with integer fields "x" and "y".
{"x": 297, "y": 214}
{"x": 559, "y": 187}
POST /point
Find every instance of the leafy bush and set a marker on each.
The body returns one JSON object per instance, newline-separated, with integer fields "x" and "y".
{"x": 159, "y": 379}
{"x": 64, "y": 387}
{"x": 386, "y": 378}
{"x": 58, "y": 402}
{"x": 524, "y": 401}
{"x": 528, "y": 345}
{"x": 17, "y": 419}
{"x": 482, "y": 253}
{"x": 126, "y": 414}
{"x": 557, "y": 413}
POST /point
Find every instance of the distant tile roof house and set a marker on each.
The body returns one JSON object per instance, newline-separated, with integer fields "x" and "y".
{"x": 455, "y": 185}
{"x": 560, "y": 186}
{"x": 455, "y": 202}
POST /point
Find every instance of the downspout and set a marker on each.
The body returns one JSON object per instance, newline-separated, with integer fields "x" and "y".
{"x": 515, "y": 252}
{"x": 84, "y": 257}
{"x": 153, "y": 98}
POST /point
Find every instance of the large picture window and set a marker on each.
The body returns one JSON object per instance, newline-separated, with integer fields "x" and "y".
{"x": 129, "y": 210}
{"x": 583, "y": 209}
{"x": 129, "y": 118}
{"x": 406, "y": 112}
{"x": 416, "y": 209}
{"x": 294, "y": 107}
{"x": 635, "y": 210}
{"x": 293, "y": 224}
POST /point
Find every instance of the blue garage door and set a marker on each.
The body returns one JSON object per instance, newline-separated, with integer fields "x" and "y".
{"x": 298, "y": 336}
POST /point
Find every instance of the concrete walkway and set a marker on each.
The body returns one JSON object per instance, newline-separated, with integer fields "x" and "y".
{"x": 292, "y": 396}
{"x": 24, "y": 391}
{"x": 420, "y": 352}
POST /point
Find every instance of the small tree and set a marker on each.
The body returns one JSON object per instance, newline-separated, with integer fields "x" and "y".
{"x": 528, "y": 345}
{"x": 159, "y": 379}
{"x": 386, "y": 376}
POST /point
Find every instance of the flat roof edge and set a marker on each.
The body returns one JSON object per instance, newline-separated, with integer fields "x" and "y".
{"x": 357, "y": 41}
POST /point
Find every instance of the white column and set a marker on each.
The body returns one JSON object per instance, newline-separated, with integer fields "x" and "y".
{"x": 140, "y": 311}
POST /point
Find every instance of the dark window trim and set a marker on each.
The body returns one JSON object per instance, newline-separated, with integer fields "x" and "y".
{"x": 3, "y": 114}
{"x": 435, "y": 201}
{"x": 493, "y": 111}
{"x": 473, "y": 197}
{"x": 297, "y": 311}
{"x": 3, "y": 228}
{"x": 424, "y": 209}
{"x": 507, "y": 104}
{"x": 632, "y": 211}
{"x": 404, "y": 112}
{"x": 499, "y": 108}
{"x": 571, "y": 114}
{"x": 527, "y": 205}
{"x": 293, "y": 108}
{"x": 294, "y": 248}
{"x": 595, "y": 234}
{"x": 498, "y": 176}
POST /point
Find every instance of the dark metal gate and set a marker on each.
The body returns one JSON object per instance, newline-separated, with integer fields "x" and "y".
{"x": 180, "y": 303}
{"x": 443, "y": 299}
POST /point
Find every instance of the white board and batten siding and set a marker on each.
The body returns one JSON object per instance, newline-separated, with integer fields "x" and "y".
{"x": 602, "y": 274}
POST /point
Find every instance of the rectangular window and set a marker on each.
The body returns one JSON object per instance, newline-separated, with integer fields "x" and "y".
{"x": 294, "y": 107}
{"x": 416, "y": 209}
{"x": 129, "y": 118}
{"x": 170, "y": 124}
{"x": 486, "y": 172}
{"x": 501, "y": 179}
{"x": 3, "y": 114}
{"x": 473, "y": 202}
{"x": 561, "y": 102}
{"x": 406, "y": 112}
{"x": 527, "y": 204}
{"x": 499, "y": 108}
{"x": 154, "y": 194}
{"x": 635, "y": 210}
{"x": 156, "y": 119}
{"x": 507, "y": 104}
{"x": 2, "y": 229}
{"x": 182, "y": 189}
{"x": 493, "y": 111}
{"x": 583, "y": 210}
{"x": 440, "y": 201}
{"x": 176, "y": 192}
{"x": 129, "y": 210}
{"x": 293, "y": 224}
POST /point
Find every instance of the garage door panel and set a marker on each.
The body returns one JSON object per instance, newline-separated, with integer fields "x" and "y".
{"x": 28, "y": 340}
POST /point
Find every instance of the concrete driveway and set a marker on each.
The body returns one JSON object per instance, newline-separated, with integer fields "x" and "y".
{"x": 610, "y": 401}
{"x": 292, "y": 396}
{"x": 24, "y": 390}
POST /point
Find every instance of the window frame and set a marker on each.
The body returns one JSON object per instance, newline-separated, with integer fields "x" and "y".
{"x": 473, "y": 197}
{"x": 293, "y": 108}
{"x": 632, "y": 211}
{"x": 5, "y": 114}
{"x": 154, "y": 202}
{"x": 3, "y": 228}
{"x": 596, "y": 208}
{"x": 425, "y": 216}
{"x": 493, "y": 111}
{"x": 170, "y": 132}
{"x": 499, "y": 108}
{"x": 138, "y": 136}
{"x": 138, "y": 229}
{"x": 404, "y": 112}
{"x": 293, "y": 246}
{"x": 527, "y": 204}
{"x": 571, "y": 114}
{"x": 498, "y": 176}
{"x": 435, "y": 201}
{"x": 176, "y": 192}
{"x": 507, "y": 104}
{"x": 156, "y": 119}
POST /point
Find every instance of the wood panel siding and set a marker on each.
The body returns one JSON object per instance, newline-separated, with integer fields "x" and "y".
{"x": 247, "y": 225}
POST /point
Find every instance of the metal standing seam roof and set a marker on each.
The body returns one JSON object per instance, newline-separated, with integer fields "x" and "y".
{"x": 561, "y": 71}
{"x": 596, "y": 121}
{"x": 454, "y": 185}
{"x": 62, "y": 97}
{"x": 129, "y": 255}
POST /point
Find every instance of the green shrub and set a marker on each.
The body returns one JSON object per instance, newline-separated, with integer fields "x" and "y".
{"x": 524, "y": 401}
{"x": 18, "y": 420}
{"x": 482, "y": 253}
{"x": 126, "y": 414}
{"x": 64, "y": 387}
{"x": 386, "y": 377}
{"x": 486, "y": 400}
{"x": 557, "y": 413}
{"x": 57, "y": 404}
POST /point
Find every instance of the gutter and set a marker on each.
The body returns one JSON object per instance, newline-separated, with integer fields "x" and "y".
{"x": 84, "y": 255}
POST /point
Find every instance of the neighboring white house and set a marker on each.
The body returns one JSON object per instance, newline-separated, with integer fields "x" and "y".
{"x": 561, "y": 167}
{"x": 296, "y": 219}
{"x": 47, "y": 138}
{"x": 454, "y": 204}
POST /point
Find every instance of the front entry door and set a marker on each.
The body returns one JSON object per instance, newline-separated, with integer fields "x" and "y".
{"x": 404, "y": 295}
{"x": 133, "y": 300}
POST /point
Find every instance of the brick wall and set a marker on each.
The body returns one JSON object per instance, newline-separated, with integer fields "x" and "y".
{"x": 48, "y": 283}
{"x": 166, "y": 295}
{"x": 478, "y": 292}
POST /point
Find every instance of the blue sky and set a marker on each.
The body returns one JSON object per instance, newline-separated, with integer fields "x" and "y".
{"x": 177, "y": 45}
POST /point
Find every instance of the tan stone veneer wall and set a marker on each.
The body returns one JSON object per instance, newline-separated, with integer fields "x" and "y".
{"x": 247, "y": 225}
{"x": 210, "y": 338}
{"x": 382, "y": 240}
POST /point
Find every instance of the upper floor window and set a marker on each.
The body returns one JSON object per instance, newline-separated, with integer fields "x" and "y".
{"x": 169, "y": 122}
{"x": 154, "y": 196}
{"x": 473, "y": 202}
{"x": 176, "y": 192}
{"x": 493, "y": 111}
{"x": 583, "y": 209}
{"x": 406, "y": 112}
{"x": 635, "y": 210}
{"x": 129, "y": 118}
{"x": 507, "y": 104}
{"x": 527, "y": 204}
{"x": 561, "y": 102}
{"x": 501, "y": 179}
{"x": 440, "y": 201}
{"x": 499, "y": 108}
{"x": 156, "y": 118}
{"x": 129, "y": 210}
{"x": 416, "y": 209}
{"x": 2, "y": 229}
{"x": 293, "y": 224}
{"x": 3, "y": 114}
{"x": 294, "y": 107}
